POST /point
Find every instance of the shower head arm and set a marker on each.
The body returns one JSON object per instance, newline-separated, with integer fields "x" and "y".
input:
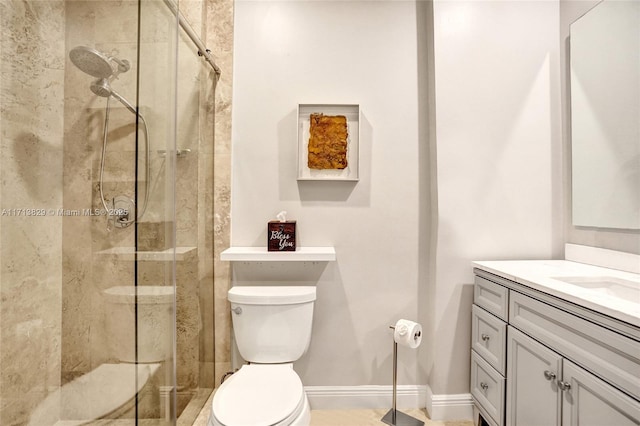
{"x": 123, "y": 65}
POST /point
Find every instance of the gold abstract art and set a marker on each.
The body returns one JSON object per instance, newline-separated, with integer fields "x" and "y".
{"x": 327, "y": 142}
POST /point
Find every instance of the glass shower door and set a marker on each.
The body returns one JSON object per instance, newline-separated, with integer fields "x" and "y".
{"x": 87, "y": 228}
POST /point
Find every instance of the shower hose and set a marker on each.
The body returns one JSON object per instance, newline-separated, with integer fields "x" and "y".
{"x": 124, "y": 220}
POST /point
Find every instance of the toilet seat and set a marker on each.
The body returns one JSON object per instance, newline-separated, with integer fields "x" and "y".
{"x": 94, "y": 395}
{"x": 259, "y": 395}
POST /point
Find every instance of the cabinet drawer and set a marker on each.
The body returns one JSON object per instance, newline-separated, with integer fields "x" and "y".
{"x": 487, "y": 388}
{"x": 492, "y": 297}
{"x": 488, "y": 337}
{"x": 609, "y": 355}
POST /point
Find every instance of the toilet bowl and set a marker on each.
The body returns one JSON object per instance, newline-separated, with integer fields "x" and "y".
{"x": 111, "y": 388}
{"x": 144, "y": 313}
{"x": 95, "y": 395}
{"x": 261, "y": 395}
{"x": 272, "y": 329}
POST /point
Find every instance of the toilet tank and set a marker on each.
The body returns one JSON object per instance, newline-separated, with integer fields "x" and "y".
{"x": 142, "y": 312}
{"x": 272, "y": 324}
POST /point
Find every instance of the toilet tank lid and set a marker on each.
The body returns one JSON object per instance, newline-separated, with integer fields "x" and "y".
{"x": 151, "y": 294}
{"x": 272, "y": 295}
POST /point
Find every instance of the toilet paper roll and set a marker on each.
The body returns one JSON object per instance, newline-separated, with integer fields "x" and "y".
{"x": 408, "y": 333}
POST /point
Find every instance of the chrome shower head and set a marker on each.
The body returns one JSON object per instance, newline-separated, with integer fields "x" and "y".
{"x": 91, "y": 61}
{"x": 96, "y": 63}
{"x": 101, "y": 87}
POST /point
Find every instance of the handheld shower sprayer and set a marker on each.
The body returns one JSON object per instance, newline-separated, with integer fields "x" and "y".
{"x": 101, "y": 87}
{"x": 106, "y": 68}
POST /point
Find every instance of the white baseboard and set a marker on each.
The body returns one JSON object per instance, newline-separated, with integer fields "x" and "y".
{"x": 439, "y": 407}
{"x": 445, "y": 407}
{"x": 355, "y": 397}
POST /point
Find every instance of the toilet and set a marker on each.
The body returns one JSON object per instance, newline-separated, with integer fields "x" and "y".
{"x": 272, "y": 328}
{"x": 110, "y": 390}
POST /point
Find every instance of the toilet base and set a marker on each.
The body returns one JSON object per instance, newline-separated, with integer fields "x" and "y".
{"x": 303, "y": 419}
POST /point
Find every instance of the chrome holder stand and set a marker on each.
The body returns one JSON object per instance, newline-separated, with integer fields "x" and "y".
{"x": 393, "y": 416}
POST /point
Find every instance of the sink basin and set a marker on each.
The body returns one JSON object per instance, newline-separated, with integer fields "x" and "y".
{"x": 610, "y": 286}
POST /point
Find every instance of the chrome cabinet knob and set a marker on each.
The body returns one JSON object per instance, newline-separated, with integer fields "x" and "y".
{"x": 564, "y": 386}
{"x": 485, "y": 337}
{"x": 484, "y": 386}
{"x": 549, "y": 375}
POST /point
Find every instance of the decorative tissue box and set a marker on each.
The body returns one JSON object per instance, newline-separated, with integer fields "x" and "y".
{"x": 281, "y": 236}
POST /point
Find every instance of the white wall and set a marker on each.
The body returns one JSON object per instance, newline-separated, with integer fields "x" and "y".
{"x": 334, "y": 52}
{"x": 499, "y": 181}
{"x": 495, "y": 127}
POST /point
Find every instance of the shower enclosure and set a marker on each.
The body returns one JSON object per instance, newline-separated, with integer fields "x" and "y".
{"x": 106, "y": 212}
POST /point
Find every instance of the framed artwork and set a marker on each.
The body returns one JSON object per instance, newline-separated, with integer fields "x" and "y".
{"x": 328, "y": 141}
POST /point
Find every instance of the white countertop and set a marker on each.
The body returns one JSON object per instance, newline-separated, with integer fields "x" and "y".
{"x": 621, "y": 302}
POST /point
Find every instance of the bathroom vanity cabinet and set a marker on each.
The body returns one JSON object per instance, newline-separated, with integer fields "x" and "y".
{"x": 538, "y": 359}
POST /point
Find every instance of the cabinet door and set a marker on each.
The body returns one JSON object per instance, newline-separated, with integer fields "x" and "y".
{"x": 533, "y": 398}
{"x": 589, "y": 401}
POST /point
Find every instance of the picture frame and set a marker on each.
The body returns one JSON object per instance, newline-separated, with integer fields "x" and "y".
{"x": 352, "y": 114}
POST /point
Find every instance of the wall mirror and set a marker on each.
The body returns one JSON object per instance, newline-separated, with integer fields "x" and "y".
{"x": 605, "y": 116}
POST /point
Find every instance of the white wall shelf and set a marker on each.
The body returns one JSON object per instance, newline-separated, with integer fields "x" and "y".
{"x": 260, "y": 254}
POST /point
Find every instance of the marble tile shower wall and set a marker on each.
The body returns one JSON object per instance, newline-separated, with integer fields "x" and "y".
{"x": 31, "y": 158}
{"x": 219, "y": 36}
{"x": 52, "y": 271}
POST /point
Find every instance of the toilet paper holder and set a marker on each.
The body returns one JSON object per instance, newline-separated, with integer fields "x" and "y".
{"x": 393, "y": 416}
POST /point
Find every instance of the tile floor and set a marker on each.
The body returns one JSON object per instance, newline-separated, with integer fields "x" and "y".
{"x": 349, "y": 417}
{"x": 370, "y": 417}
